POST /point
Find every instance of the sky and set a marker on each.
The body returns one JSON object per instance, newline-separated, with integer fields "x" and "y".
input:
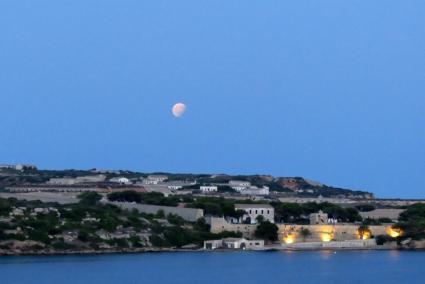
{"x": 329, "y": 90}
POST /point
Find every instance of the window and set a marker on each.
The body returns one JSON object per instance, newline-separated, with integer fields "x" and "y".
{"x": 256, "y": 211}
{"x": 262, "y": 211}
{"x": 268, "y": 211}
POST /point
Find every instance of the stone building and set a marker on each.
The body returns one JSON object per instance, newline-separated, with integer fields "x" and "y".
{"x": 319, "y": 218}
{"x": 252, "y": 211}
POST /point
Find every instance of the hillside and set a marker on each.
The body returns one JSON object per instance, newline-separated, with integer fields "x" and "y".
{"x": 297, "y": 186}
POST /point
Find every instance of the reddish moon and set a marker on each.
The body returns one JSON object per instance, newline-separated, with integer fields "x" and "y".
{"x": 179, "y": 109}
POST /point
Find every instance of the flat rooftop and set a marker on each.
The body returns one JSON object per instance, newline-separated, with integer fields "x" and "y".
{"x": 247, "y": 206}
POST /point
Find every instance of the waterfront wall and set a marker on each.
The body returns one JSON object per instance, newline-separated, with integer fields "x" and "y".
{"x": 293, "y": 233}
{"x": 319, "y": 233}
{"x": 351, "y": 244}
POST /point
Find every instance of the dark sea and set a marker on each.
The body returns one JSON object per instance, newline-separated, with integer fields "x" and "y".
{"x": 219, "y": 267}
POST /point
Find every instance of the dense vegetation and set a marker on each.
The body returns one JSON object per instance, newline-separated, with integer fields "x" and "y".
{"x": 13, "y": 177}
{"x": 267, "y": 231}
{"x": 91, "y": 225}
{"x": 412, "y": 222}
{"x": 153, "y": 198}
{"x": 299, "y": 213}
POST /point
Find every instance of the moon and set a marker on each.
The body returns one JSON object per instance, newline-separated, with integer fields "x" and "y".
{"x": 179, "y": 109}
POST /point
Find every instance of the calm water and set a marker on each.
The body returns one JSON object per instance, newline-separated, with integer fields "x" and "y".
{"x": 239, "y": 267}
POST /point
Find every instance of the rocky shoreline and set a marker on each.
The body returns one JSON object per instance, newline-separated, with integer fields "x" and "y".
{"x": 92, "y": 252}
{"x": 176, "y": 250}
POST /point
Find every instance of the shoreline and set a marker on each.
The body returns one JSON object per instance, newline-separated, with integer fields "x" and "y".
{"x": 159, "y": 250}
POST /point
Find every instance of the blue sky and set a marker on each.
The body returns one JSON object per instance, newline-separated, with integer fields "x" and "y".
{"x": 329, "y": 90}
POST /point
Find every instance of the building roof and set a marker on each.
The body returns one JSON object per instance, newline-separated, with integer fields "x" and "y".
{"x": 231, "y": 240}
{"x": 247, "y": 206}
{"x": 236, "y": 182}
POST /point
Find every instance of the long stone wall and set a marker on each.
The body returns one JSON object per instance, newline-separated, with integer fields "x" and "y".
{"x": 351, "y": 244}
{"x": 317, "y": 233}
{"x": 188, "y": 214}
{"x": 289, "y": 233}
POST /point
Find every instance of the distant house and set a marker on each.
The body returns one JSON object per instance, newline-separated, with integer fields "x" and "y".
{"x": 174, "y": 187}
{"x": 319, "y": 218}
{"x": 155, "y": 179}
{"x": 208, "y": 188}
{"x": 239, "y": 185}
{"x": 252, "y": 211}
{"x": 253, "y": 190}
{"x": 120, "y": 180}
{"x": 178, "y": 184}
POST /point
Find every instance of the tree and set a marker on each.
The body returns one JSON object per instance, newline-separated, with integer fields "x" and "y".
{"x": 160, "y": 214}
{"x": 89, "y": 198}
{"x": 175, "y": 219}
{"x": 260, "y": 219}
{"x": 412, "y": 223}
{"x": 201, "y": 225}
{"x": 305, "y": 233}
{"x": 365, "y": 207}
{"x": 267, "y": 231}
{"x": 126, "y": 196}
{"x": 364, "y": 231}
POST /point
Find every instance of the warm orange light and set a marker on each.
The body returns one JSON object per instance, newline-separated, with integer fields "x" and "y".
{"x": 289, "y": 239}
{"x": 366, "y": 236}
{"x": 326, "y": 237}
{"x": 393, "y": 233}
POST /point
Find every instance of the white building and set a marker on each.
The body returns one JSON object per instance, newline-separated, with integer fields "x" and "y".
{"x": 174, "y": 187}
{"x": 252, "y": 211}
{"x": 178, "y": 184}
{"x": 234, "y": 243}
{"x": 239, "y": 185}
{"x": 120, "y": 180}
{"x": 253, "y": 190}
{"x": 208, "y": 188}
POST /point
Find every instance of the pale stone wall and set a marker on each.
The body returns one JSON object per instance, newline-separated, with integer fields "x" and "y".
{"x": 351, "y": 244}
{"x": 219, "y": 225}
{"x": 319, "y": 233}
{"x": 338, "y": 232}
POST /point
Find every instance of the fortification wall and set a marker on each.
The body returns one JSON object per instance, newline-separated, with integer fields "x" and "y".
{"x": 293, "y": 233}
{"x": 318, "y": 233}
